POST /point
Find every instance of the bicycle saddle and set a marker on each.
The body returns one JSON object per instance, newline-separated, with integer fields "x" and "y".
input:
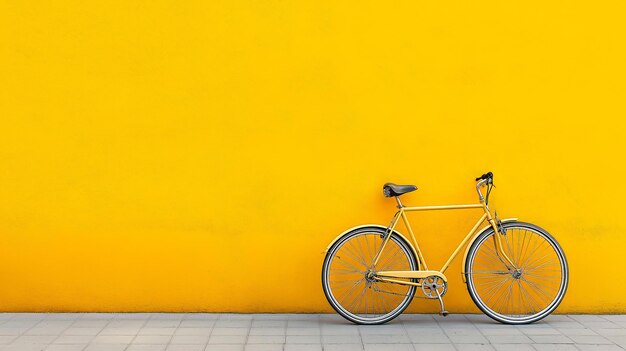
{"x": 391, "y": 189}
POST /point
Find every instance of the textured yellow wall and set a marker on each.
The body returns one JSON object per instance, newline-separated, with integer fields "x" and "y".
{"x": 199, "y": 155}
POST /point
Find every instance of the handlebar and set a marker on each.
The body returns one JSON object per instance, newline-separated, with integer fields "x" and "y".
{"x": 486, "y": 178}
{"x": 487, "y": 175}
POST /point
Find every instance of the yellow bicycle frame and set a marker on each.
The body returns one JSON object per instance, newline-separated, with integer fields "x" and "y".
{"x": 397, "y": 276}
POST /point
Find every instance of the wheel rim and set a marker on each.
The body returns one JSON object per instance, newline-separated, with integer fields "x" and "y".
{"x": 350, "y": 282}
{"x": 528, "y": 293}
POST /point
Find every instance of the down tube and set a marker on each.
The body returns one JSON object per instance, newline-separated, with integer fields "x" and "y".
{"x": 464, "y": 242}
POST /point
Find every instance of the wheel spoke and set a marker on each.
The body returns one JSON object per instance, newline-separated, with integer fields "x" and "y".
{"x": 522, "y": 294}
{"x": 352, "y": 291}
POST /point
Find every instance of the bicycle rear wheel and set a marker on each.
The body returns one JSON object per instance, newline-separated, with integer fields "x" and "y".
{"x": 523, "y": 295}
{"x": 348, "y": 281}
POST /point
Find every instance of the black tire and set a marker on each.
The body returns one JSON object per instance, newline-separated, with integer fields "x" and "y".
{"x": 407, "y": 291}
{"x": 526, "y": 283}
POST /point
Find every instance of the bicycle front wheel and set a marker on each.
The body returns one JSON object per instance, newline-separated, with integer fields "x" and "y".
{"x": 348, "y": 276}
{"x": 525, "y": 294}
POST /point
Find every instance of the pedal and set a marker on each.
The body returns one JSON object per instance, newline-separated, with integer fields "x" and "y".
{"x": 443, "y": 312}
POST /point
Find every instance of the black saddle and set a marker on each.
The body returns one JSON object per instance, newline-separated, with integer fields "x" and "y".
{"x": 390, "y": 189}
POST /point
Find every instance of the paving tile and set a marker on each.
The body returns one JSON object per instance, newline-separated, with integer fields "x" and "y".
{"x": 157, "y": 331}
{"x": 589, "y": 339}
{"x": 58, "y": 347}
{"x": 7, "y": 339}
{"x": 196, "y": 323}
{"x": 304, "y": 331}
{"x": 194, "y": 331}
{"x": 599, "y": 348}
{"x": 113, "y": 339}
{"x": 303, "y": 339}
{"x": 91, "y": 323}
{"x": 12, "y": 330}
{"x": 341, "y": 339}
{"x": 232, "y": 323}
{"x": 554, "y": 347}
{"x": 120, "y": 331}
{"x": 151, "y": 339}
{"x": 429, "y": 339}
{"x": 73, "y": 339}
{"x": 228, "y": 339}
{"x": 263, "y": 347}
{"x": 106, "y": 347}
{"x": 384, "y": 339}
{"x": 190, "y": 339}
{"x": 551, "y": 339}
{"x": 145, "y": 347}
{"x": 24, "y": 347}
{"x": 509, "y": 339}
{"x": 227, "y": 347}
{"x": 272, "y": 323}
{"x": 230, "y": 331}
{"x": 201, "y": 316}
{"x": 388, "y": 347}
{"x": 514, "y": 347}
{"x": 185, "y": 347}
{"x": 342, "y": 347}
{"x": 434, "y": 347}
{"x": 474, "y": 347}
{"x": 82, "y": 331}
{"x": 266, "y": 339}
{"x": 540, "y": 331}
{"x": 268, "y": 331}
{"x": 303, "y": 347}
{"x": 35, "y": 339}
{"x": 468, "y": 339}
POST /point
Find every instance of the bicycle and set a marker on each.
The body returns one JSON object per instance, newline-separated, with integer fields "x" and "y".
{"x": 515, "y": 272}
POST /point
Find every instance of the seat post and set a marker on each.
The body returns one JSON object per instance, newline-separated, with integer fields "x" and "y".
{"x": 399, "y": 202}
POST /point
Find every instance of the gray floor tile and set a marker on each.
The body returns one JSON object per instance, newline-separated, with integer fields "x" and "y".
{"x": 194, "y": 331}
{"x": 303, "y": 331}
{"x": 342, "y": 347}
{"x": 551, "y": 339}
{"x": 554, "y": 347}
{"x": 228, "y": 339}
{"x": 185, "y": 347}
{"x": 227, "y": 347}
{"x": 113, "y": 339}
{"x": 303, "y": 339}
{"x": 303, "y": 347}
{"x": 268, "y": 331}
{"x": 433, "y": 347}
{"x": 509, "y": 339}
{"x": 59, "y": 347}
{"x": 388, "y": 347}
{"x": 263, "y": 347}
{"x": 474, "y": 347}
{"x": 266, "y": 339}
{"x": 73, "y": 339}
{"x": 145, "y": 347}
{"x": 151, "y": 339}
{"x": 384, "y": 339}
{"x": 230, "y": 331}
{"x": 341, "y": 339}
{"x": 190, "y": 339}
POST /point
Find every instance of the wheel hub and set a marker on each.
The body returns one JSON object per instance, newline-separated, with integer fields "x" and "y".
{"x": 517, "y": 273}
{"x": 370, "y": 276}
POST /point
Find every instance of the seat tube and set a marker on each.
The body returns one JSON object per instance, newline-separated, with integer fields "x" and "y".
{"x": 392, "y": 227}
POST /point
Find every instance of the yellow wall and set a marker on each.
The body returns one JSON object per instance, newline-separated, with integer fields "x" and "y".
{"x": 199, "y": 155}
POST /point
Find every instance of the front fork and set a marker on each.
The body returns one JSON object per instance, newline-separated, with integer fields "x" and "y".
{"x": 499, "y": 231}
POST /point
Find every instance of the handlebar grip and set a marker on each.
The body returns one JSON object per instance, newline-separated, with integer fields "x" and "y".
{"x": 485, "y": 176}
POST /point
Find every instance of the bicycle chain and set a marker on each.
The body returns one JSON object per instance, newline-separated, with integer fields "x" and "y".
{"x": 393, "y": 293}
